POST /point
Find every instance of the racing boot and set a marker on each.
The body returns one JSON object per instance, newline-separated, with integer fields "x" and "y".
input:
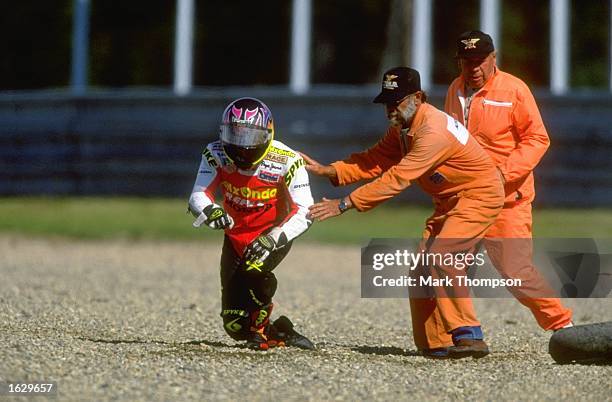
{"x": 259, "y": 329}
{"x": 282, "y": 333}
{"x": 257, "y": 340}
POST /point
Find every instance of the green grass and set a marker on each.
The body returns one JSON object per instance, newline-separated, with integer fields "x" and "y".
{"x": 153, "y": 218}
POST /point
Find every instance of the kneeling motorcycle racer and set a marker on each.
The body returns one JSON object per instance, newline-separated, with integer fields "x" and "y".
{"x": 266, "y": 195}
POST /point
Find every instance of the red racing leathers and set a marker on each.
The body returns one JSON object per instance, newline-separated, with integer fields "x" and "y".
{"x": 276, "y": 194}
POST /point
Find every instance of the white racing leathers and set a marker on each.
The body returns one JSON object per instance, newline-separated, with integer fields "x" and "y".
{"x": 275, "y": 195}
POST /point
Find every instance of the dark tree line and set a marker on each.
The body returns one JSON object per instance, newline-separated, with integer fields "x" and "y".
{"x": 241, "y": 42}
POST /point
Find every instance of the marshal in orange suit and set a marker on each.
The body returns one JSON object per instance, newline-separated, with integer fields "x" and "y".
{"x": 500, "y": 112}
{"x": 428, "y": 147}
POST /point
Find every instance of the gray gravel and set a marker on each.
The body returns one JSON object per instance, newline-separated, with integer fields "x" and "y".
{"x": 120, "y": 321}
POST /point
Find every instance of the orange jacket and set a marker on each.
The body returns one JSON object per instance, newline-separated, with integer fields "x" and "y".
{"x": 505, "y": 120}
{"x": 438, "y": 152}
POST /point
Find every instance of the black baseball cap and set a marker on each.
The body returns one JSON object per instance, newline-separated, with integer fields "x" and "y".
{"x": 474, "y": 44}
{"x": 397, "y": 83}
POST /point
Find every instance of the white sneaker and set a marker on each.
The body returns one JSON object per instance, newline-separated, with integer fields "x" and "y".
{"x": 569, "y": 325}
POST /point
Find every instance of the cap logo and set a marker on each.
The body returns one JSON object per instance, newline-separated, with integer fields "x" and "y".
{"x": 388, "y": 83}
{"x": 470, "y": 43}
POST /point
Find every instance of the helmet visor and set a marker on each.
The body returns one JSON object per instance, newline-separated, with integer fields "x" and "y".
{"x": 244, "y": 134}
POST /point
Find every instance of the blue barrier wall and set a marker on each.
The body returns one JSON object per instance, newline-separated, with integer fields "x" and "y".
{"x": 148, "y": 142}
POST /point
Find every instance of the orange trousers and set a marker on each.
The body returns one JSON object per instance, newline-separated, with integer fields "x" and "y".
{"x": 458, "y": 217}
{"x": 430, "y": 317}
{"x": 516, "y": 262}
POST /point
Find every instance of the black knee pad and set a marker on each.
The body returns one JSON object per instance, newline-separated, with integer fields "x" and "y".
{"x": 249, "y": 290}
{"x": 261, "y": 287}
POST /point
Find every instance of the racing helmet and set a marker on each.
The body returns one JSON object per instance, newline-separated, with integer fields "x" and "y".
{"x": 246, "y": 131}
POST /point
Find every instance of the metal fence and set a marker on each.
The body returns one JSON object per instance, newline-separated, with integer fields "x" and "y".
{"x": 149, "y": 143}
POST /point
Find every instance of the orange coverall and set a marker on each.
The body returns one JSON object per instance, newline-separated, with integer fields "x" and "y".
{"x": 466, "y": 187}
{"x": 505, "y": 120}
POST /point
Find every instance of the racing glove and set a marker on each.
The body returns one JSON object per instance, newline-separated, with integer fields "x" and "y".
{"x": 260, "y": 248}
{"x": 215, "y": 217}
